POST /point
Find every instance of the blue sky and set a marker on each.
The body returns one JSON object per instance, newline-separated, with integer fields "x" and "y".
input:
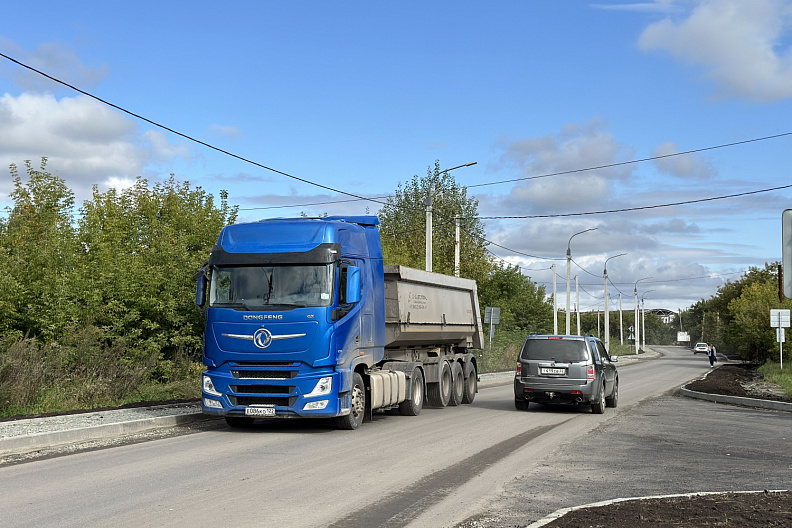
{"x": 360, "y": 96}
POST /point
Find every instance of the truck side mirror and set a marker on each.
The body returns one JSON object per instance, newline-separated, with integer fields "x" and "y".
{"x": 353, "y": 285}
{"x": 200, "y": 291}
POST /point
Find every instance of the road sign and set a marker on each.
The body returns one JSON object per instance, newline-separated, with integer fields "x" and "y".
{"x": 779, "y": 318}
{"x": 786, "y": 251}
{"x": 683, "y": 336}
{"x": 491, "y": 315}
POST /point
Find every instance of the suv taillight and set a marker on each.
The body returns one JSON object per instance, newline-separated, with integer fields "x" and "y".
{"x": 590, "y": 374}
{"x": 519, "y": 370}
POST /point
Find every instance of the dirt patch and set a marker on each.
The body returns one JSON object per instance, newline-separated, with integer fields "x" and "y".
{"x": 734, "y": 510}
{"x": 738, "y": 380}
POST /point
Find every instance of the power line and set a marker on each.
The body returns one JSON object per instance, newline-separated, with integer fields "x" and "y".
{"x": 628, "y": 209}
{"x": 190, "y": 138}
{"x": 619, "y": 164}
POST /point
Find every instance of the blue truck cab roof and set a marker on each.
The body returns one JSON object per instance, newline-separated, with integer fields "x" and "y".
{"x": 322, "y": 239}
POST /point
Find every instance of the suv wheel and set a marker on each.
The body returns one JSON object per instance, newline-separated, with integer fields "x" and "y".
{"x": 520, "y": 405}
{"x": 613, "y": 401}
{"x": 599, "y": 406}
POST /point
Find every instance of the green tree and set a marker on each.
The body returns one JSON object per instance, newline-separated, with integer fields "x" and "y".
{"x": 37, "y": 248}
{"x": 751, "y": 320}
{"x": 403, "y": 226}
{"x": 140, "y": 250}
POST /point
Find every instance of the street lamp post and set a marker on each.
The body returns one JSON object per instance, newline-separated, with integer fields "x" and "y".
{"x": 607, "y": 313}
{"x": 429, "y": 209}
{"x": 569, "y": 274}
{"x": 577, "y": 304}
{"x": 637, "y": 315}
{"x": 555, "y": 300}
{"x": 643, "y": 318}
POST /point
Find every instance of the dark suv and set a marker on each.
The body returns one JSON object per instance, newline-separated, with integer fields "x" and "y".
{"x": 566, "y": 369}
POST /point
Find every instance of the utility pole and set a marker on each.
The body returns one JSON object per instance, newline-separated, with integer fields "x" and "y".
{"x": 428, "y": 233}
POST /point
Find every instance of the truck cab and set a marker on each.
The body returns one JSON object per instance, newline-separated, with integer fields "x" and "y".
{"x": 290, "y": 309}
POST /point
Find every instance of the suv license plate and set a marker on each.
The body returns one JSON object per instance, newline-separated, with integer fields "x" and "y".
{"x": 552, "y": 371}
{"x": 259, "y": 411}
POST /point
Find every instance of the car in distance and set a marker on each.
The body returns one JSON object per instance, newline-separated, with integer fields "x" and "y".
{"x": 566, "y": 369}
{"x": 701, "y": 347}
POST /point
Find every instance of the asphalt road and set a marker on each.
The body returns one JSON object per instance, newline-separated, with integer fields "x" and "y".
{"x": 484, "y": 464}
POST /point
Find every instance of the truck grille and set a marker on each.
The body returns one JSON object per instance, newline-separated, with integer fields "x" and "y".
{"x": 261, "y": 389}
{"x": 262, "y": 400}
{"x": 264, "y": 374}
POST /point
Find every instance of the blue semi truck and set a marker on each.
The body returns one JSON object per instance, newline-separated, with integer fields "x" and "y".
{"x": 303, "y": 320}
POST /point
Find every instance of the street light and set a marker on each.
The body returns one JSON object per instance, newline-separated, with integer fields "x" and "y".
{"x": 429, "y": 223}
{"x": 569, "y": 277}
{"x": 637, "y": 315}
{"x": 643, "y": 317}
{"x": 607, "y": 313}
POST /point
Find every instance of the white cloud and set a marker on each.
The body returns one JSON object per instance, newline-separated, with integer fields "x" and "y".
{"x": 683, "y": 166}
{"x": 739, "y": 43}
{"x": 85, "y": 141}
{"x": 576, "y": 147}
{"x": 55, "y": 60}
{"x": 228, "y": 131}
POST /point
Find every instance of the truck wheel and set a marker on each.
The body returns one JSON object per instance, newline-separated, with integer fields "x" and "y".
{"x": 457, "y": 384}
{"x": 357, "y": 411}
{"x": 438, "y": 394}
{"x": 414, "y": 405}
{"x": 239, "y": 422}
{"x": 599, "y": 406}
{"x": 471, "y": 384}
{"x": 613, "y": 401}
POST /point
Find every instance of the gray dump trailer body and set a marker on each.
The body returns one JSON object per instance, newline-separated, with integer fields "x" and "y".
{"x": 430, "y": 309}
{"x": 432, "y": 326}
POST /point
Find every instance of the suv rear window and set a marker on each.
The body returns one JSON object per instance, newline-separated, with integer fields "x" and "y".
{"x": 561, "y": 350}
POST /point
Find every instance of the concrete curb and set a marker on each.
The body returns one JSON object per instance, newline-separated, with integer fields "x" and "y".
{"x": 560, "y": 513}
{"x": 24, "y": 444}
{"x": 737, "y": 400}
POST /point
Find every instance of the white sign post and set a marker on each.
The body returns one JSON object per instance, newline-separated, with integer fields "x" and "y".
{"x": 779, "y": 319}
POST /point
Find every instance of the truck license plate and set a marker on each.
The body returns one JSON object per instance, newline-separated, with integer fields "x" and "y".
{"x": 260, "y": 411}
{"x": 552, "y": 371}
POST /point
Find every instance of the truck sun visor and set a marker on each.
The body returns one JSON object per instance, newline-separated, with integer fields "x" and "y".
{"x": 321, "y": 254}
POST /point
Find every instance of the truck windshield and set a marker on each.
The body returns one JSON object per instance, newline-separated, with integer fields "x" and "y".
{"x": 271, "y": 287}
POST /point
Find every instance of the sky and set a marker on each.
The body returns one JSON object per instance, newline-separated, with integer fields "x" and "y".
{"x": 569, "y": 109}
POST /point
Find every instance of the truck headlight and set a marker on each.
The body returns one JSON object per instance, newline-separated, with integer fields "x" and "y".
{"x": 315, "y": 405}
{"x": 322, "y": 388}
{"x": 208, "y": 386}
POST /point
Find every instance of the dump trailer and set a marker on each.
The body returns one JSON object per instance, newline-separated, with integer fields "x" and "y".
{"x": 303, "y": 320}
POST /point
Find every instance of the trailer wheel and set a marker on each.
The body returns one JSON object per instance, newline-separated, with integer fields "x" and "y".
{"x": 471, "y": 383}
{"x": 439, "y": 393}
{"x": 414, "y": 405}
{"x": 239, "y": 422}
{"x": 357, "y": 411}
{"x": 457, "y": 384}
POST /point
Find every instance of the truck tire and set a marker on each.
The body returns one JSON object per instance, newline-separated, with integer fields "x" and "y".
{"x": 357, "y": 405}
{"x": 438, "y": 394}
{"x": 239, "y": 422}
{"x": 471, "y": 383}
{"x": 457, "y": 384}
{"x": 413, "y": 406}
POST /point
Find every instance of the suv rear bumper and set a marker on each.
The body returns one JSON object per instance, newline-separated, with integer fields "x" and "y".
{"x": 530, "y": 390}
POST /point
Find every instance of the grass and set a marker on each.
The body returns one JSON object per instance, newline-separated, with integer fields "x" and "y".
{"x": 40, "y": 378}
{"x": 773, "y": 373}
